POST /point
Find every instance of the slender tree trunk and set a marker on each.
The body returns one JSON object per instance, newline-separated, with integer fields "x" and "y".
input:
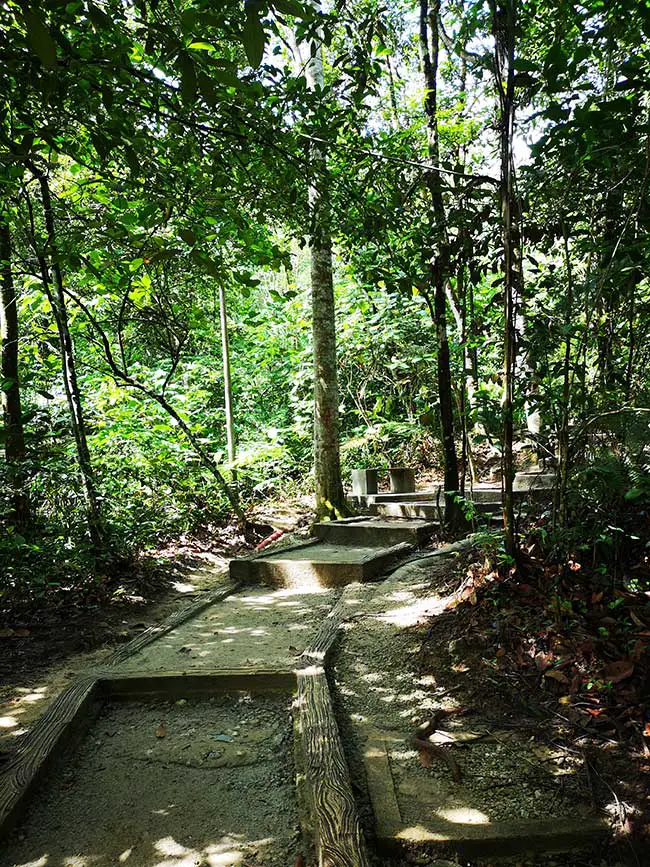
{"x": 231, "y": 442}
{"x": 52, "y": 277}
{"x": 122, "y": 375}
{"x": 330, "y": 500}
{"x": 504, "y": 15}
{"x": 15, "y": 452}
{"x": 468, "y": 389}
{"x": 563, "y": 438}
{"x": 429, "y": 49}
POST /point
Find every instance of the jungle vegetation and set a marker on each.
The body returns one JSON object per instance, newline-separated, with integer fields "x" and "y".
{"x": 440, "y": 208}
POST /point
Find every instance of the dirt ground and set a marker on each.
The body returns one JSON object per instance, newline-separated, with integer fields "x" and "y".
{"x": 387, "y": 682}
{"x": 192, "y": 783}
{"x": 407, "y": 655}
{"x": 42, "y": 651}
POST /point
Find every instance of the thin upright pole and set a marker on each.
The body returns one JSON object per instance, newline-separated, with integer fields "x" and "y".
{"x": 227, "y": 382}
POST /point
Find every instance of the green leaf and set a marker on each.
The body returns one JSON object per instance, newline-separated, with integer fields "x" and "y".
{"x": 207, "y": 89}
{"x": 253, "y": 37}
{"x": 556, "y": 112}
{"x": 291, "y": 7}
{"x": 188, "y": 79}
{"x": 227, "y": 78}
{"x": 188, "y": 236}
{"x": 39, "y": 39}
{"x": 98, "y": 17}
{"x": 202, "y": 46}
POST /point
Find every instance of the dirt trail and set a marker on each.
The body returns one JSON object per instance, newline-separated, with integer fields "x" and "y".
{"x": 507, "y": 784}
{"x": 217, "y": 789}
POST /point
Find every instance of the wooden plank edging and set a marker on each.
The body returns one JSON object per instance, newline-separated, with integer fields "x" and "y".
{"x": 63, "y": 723}
{"x": 172, "y": 685}
{"x": 322, "y": 643}
{"x": 176, "y": 619}
{"x": 337, "y": 830}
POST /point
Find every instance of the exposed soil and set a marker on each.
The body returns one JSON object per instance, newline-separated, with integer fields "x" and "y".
{"x": 45, "y": 644}
{"x": 438, "y": 638}
{"x": 395, "y": 668}
{"x": 184, "y": 784}
{"x": 500, "y": 646}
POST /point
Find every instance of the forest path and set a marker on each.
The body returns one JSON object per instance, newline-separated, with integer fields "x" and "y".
{"x": 148, "y": 761}
{"x": 483, "y": 788}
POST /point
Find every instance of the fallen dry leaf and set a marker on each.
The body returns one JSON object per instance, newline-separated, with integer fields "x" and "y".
{"x": 425, "y": 758}
{"x": 161, "y": 731}
{"x": 559, "y": 676}
{"x": 618, "y": 671}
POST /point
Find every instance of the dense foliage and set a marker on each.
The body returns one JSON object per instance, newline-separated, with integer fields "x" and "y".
{"x": 155, "y": 155}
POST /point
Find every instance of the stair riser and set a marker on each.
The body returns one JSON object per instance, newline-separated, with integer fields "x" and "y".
{"x": 306, "y": 573}
{"x": 367, "y": 536}
{"x": 424, "y": 511}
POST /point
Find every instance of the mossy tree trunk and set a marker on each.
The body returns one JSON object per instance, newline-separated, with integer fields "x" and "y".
{"x": 330, "y": 500}
{"x": 14, "y": 436}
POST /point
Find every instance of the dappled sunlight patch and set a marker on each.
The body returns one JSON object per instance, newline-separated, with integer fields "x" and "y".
{"x": 8, "y": 722}
{"x": 33, "y": 695}
{"x": 169, "y": 846}
{"x": 183, "y": 587}
{"x": 463, "y": 816}
{"x": 43, "y": 861}
{"x": 419, "y": 834}
{"x": 78, "y": 861}
{"x": 414, "y": 613}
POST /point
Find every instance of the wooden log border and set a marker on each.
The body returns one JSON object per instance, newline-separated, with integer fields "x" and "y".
{"x": 61, "y": 727}
{"x": 70, "y": 716}
{"x": 324, "y": 780}
{"x": 176, "y": 619}
{"x": 333, "y": 811}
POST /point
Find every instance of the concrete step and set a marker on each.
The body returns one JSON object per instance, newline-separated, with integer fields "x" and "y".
{"x": 376, "y": 532}
{"x": 485, "y": 495}
{"x": 428, "y": 511}
{"x": 317, "y": 564}
{"x": 524, "y": 482}
{"x": 413, "y": 497}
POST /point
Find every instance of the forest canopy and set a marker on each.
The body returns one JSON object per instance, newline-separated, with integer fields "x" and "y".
{"x": 440, "y": 207}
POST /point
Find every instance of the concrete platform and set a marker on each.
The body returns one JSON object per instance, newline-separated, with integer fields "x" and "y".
{"x": 428, "y": 813}
{"x": 376, "y": 532}
{"x": 534, "y": 482}
{"x": 317, "y": 565}
{"x": 426, "y": 511}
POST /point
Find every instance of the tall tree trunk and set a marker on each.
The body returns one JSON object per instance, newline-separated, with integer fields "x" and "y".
{"x": 231, "y": 442}
{"x": 330, "y": 500}
{"x": 15, "y": 453}
{"x": 440, "y": 256}
{"x": 122, "y": 375}
{"x": 52, "y": 278}
{"x": 563, "y": 438}
{"x": 504, "y": 15}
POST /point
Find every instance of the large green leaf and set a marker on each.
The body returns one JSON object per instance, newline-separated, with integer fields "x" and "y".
{"x": 253, "y": 36}
{"x": 291, "y": 7}
{"x": 39, "y": 38}
{"x": 188, "y": 78}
